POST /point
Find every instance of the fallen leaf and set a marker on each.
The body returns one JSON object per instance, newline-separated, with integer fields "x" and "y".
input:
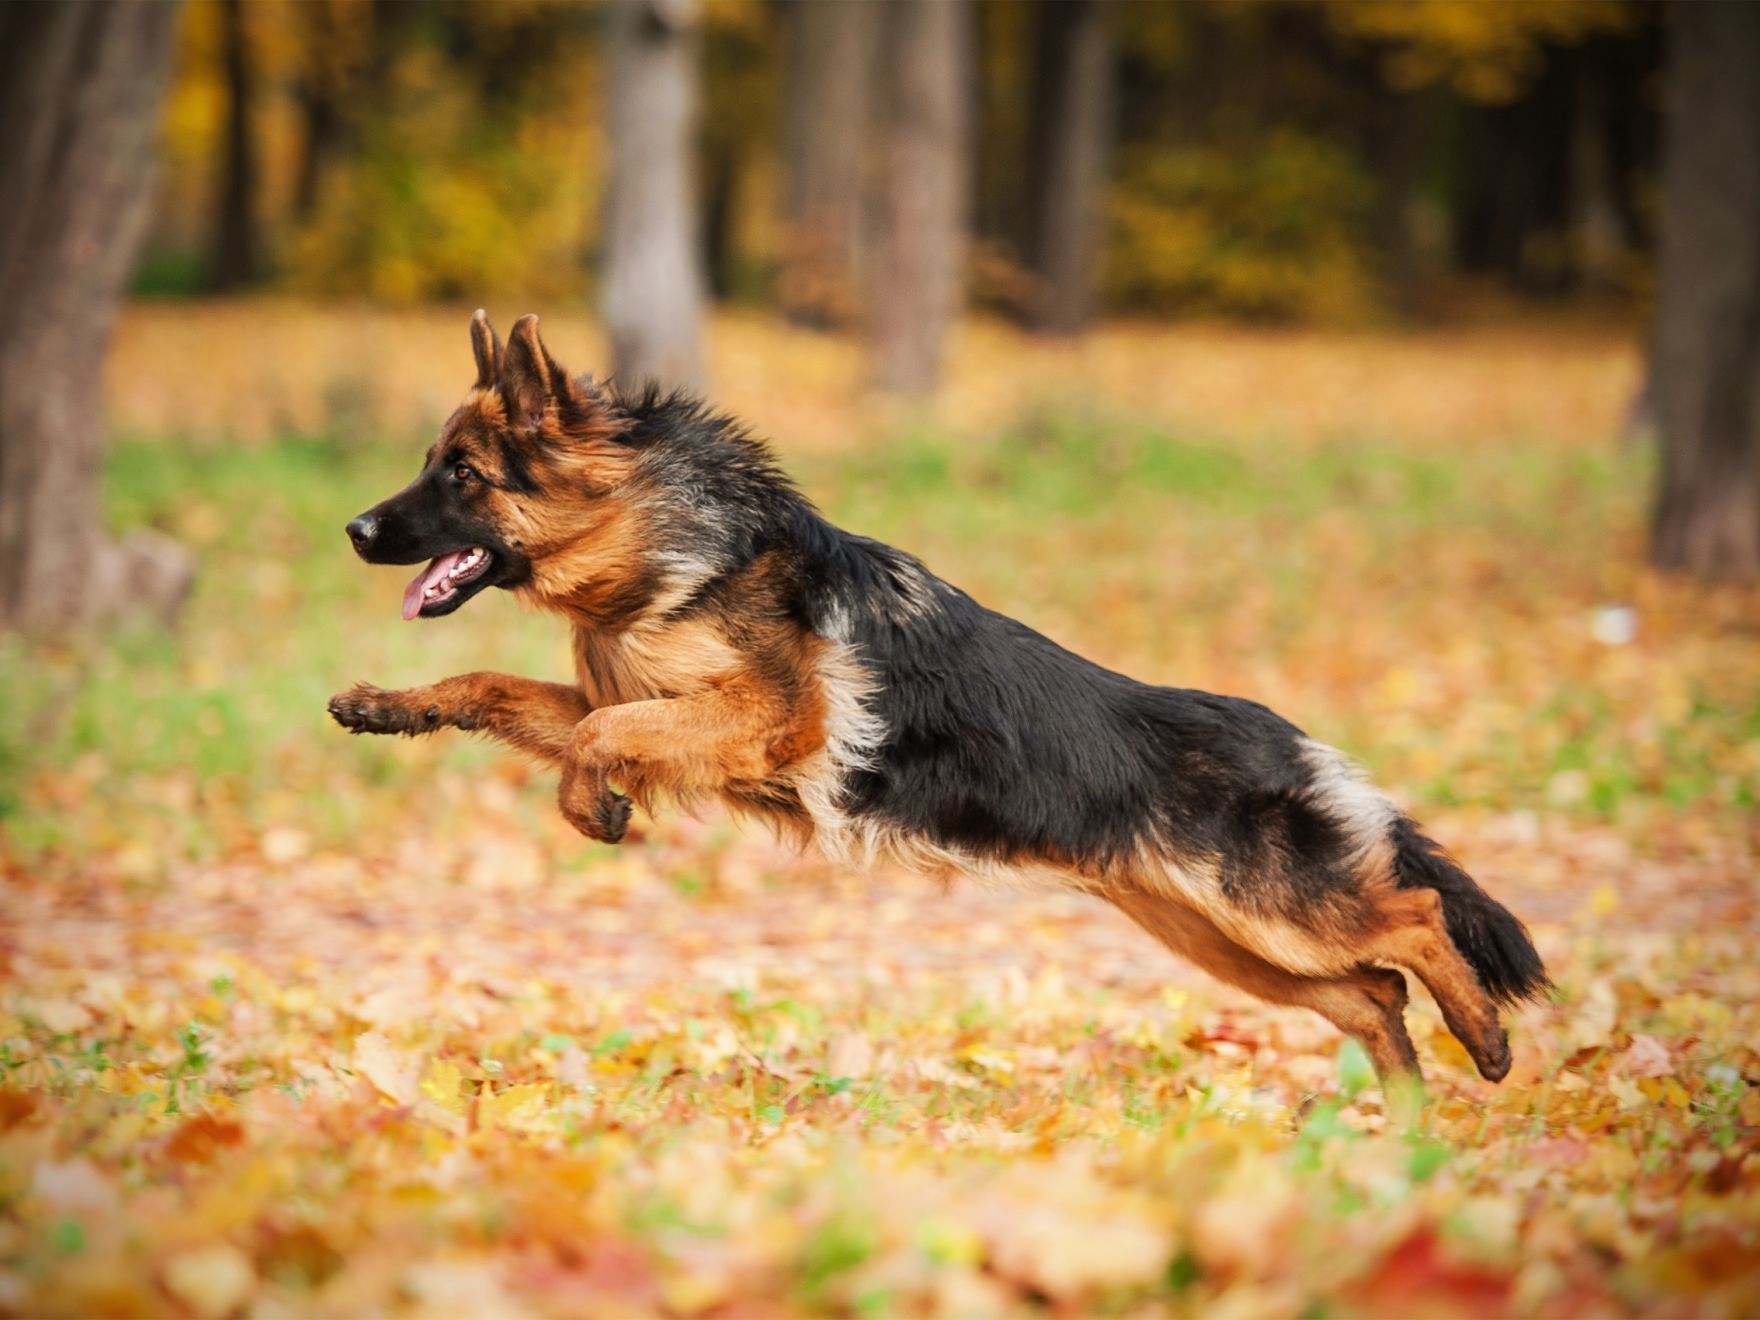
{"x": 444, "y": 1085}
{"x": 393, "y": 1075}
{"x": 516, "y": 1106}
{"x": 1418, "y": 1268}
{"x": 212, "y": 1281}
{"x": 197, "y": 1140}
{"x": 851, "y": 1055}
{"x": 1644, "y": 1057}
{"x": 74, "y": 1185}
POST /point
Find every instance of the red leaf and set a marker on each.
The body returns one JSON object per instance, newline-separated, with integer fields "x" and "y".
{"x": 1417, "y": 1268}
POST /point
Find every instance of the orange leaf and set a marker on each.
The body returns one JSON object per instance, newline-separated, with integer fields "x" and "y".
{"x": 1417, "y": 1268}
{"x": 15, "y": 1107}
{"x": 200, "y": 1138}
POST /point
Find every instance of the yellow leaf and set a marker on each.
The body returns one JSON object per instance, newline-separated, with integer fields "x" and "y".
{"x": 1751, "y": 1106}
{"x": 948, "y": 1242}
{"x": 444, "y": 1085}
{"x": 992, "y": 1061}
{"x": 211, "y": 1281}
{"x": 520, "y": 1106}
{"x": 1451, "y": 1051}
{"x": 130, "y": 1079}
{"x": 1627, "y": 1093}
{"x": 391, "y": 1074}
{"x": 694, "y": 1292}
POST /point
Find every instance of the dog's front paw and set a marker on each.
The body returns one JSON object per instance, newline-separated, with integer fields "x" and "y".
{"x": 368, "y": 709}
{"x": 602, "y": 815}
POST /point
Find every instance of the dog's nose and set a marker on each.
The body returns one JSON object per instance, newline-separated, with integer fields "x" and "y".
{"x": 362, "y": 530}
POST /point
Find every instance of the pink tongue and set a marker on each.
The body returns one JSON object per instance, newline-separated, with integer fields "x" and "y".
{"x": 436, "y": 571}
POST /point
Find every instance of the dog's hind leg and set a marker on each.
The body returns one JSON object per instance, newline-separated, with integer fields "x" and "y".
{"x": 1415, "y": 935}
{"x": 1366, "y": 1003}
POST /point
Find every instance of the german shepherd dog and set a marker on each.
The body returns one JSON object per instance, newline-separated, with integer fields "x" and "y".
{"x": 731, "y": 643}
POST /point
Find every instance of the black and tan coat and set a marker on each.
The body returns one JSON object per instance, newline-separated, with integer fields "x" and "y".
{"x": 730, "y": 643}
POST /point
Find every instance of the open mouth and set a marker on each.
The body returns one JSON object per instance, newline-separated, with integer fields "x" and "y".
{"x": 446, "y": 583}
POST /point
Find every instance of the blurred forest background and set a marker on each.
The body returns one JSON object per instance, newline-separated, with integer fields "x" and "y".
{"x": 1334, "y": 162}
{"x": 1393, "y": 362}
{"x": 885, "y": 169}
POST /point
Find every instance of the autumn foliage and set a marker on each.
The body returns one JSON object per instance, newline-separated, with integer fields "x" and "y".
{"x": 297, "y": 1024}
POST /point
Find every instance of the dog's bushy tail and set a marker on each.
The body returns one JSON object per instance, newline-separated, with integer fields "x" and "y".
{"x": 1488, "y": 935}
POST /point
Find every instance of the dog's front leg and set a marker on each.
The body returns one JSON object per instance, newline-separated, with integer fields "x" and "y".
{"x": 689, "y": 747}
{"x": 535, "y": 717}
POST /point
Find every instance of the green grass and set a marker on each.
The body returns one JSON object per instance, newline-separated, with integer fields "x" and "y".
{"x": 1064, "y": 466}
{"x": 222, "y": 722}
{"x": 1145, "y": 548}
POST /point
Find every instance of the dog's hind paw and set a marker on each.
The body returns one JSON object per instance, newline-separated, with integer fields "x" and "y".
{"x": 368, "y": 709}
{"x": 1492, "y": 1058}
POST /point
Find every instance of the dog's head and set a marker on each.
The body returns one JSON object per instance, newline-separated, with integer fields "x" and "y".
{"x": 525, "y": 474}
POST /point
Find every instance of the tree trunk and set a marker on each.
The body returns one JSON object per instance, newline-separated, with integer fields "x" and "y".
{"x": 1595, "y": 239}
{"x": 319, "y": 101}
{"x": 1403, "y": 131}
{"x": 1707, "y": 352}
{"x": 920, "y": 253}
{"x": 653, "y": 260}
{"x": 80, "y": 86}
{"x": 722, "y": 170}
{"x": 1068, "y": 149}
{"x": 235, "y": 235}
{"x": 832, "y": 49}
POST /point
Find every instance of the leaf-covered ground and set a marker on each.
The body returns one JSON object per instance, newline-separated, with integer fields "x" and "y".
{"x": 297, "y": 1024}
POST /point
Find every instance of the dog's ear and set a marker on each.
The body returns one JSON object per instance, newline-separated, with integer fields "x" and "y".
{"x": 530, "y": 378}
{"x": 486, "y": 348}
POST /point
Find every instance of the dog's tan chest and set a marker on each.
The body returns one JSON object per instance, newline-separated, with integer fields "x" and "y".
{"x": 647, "y": 664}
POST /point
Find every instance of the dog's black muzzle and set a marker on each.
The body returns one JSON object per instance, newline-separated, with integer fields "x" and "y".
{"x": 427, "y": 522}
{"x": 416, "y": 524}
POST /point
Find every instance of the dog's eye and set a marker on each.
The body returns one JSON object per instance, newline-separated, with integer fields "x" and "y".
{"x": 464, "y": 472}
